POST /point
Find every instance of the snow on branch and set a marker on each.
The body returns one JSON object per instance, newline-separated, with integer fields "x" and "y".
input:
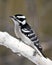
{"x": 20, "y": 47}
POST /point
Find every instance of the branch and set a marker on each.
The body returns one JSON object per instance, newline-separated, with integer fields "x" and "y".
{"x": 19, "y": 47}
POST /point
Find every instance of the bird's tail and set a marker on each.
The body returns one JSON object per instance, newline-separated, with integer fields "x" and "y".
{"x": 38, "y": 51}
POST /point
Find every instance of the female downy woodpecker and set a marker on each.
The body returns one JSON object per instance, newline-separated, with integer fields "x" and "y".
{"x": 24, "y": 32}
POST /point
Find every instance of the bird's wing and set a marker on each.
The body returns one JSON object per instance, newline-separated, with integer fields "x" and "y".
{"x": 28, "y": 32}
{"x": 31, "y": 35}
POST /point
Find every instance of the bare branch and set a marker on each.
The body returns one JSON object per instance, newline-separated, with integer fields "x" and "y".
{"x": 18, "y": 46}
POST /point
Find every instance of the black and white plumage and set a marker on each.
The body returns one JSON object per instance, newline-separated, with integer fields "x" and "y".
{"x": 24, "y": 32}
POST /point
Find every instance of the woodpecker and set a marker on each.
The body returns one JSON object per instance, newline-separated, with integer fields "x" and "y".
{"x": 24, "y": 32}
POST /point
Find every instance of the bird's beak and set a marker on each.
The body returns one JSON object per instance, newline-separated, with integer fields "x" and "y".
{"x": 11, "y": 16}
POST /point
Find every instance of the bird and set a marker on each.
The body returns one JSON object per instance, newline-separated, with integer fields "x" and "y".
{"x": 25, "y": 33}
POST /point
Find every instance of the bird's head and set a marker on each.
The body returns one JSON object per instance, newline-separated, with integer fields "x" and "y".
{"x": 19, "y": 19}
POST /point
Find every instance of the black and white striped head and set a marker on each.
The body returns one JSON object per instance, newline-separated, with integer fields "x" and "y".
{"x": 19, "y": 19}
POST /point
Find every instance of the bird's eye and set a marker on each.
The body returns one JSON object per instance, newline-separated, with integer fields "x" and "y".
{"x": 22, "y": 19}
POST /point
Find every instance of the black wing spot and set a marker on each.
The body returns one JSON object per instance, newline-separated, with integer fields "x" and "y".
{"x": 38, "y": 46}
{"x": 34, "y": 39}
{"x": 31, "y": 35}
